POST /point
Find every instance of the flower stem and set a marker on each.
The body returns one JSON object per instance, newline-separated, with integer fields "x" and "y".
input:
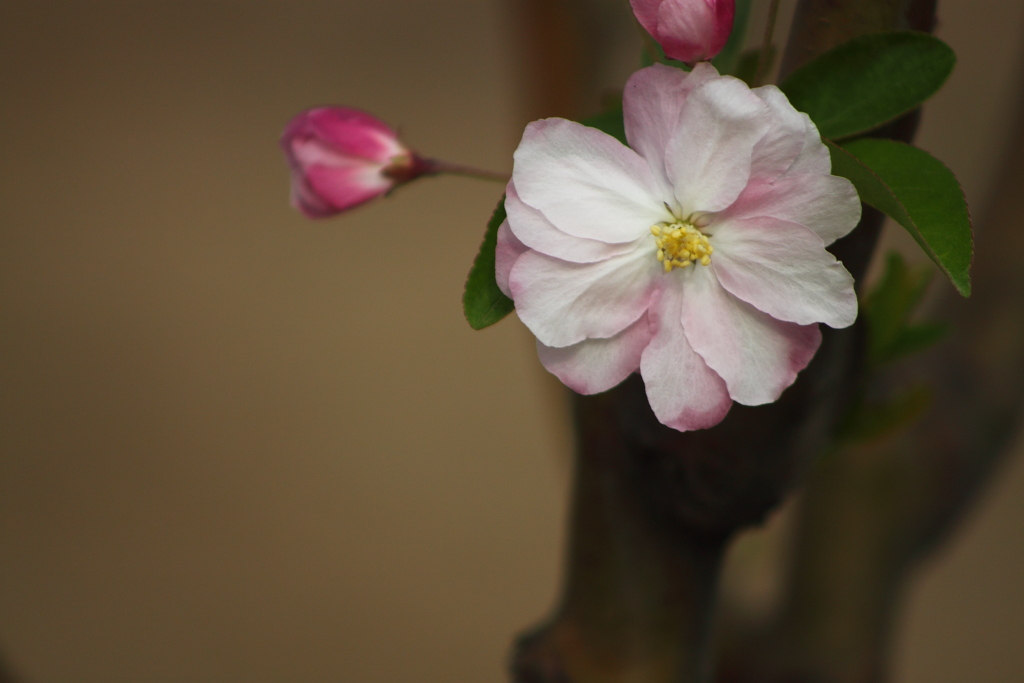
{"x": 764, "y": 62}
{"x": 435, "y": 166}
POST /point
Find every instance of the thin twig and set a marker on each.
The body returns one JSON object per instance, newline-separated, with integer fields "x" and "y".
{"x": 437, "y": 166}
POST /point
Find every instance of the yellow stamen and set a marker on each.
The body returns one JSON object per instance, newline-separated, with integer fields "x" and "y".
{"x": 680, "y": 245}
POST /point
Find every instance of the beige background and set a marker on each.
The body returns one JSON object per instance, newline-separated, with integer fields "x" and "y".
{"x": 238, "y": 446}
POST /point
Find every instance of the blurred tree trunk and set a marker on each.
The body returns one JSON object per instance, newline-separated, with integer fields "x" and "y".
{"x": 654, "y": 508}
{"x": 819, "y": 25}
{"x": 872, "y": 511}
{"x": 565, "y": 56}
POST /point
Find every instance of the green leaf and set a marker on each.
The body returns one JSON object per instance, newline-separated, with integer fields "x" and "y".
{"x": 652, "y": 53}
{"x": 729, "y": 57}
{"x": 648, "y": 57}
{"x": 888, "y": 309}
{"x": 482, "y": 302}
{"x": 889, "y": 305}
{"x": 920, "y": 193}
{"x": 913, "y": 339}
{"x": 869, "y": 81}
{"x": 750, "y": 60}
{"x": 873, "y": 420}
{"x": 610, "y": 122}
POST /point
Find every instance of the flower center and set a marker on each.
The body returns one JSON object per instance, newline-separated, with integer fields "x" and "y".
{"x": 680, "y": 245}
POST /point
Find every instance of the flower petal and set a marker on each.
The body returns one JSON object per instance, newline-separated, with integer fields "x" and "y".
{"x": 646, "y": 12}
{"x": 306, "y": 200}
{"x": 694, "y": 30}
{"x": 564, "y": 303}
{"x": 348, "y": 132}
{"x": 597, "y": 365}
{"x": 814, "y": 156}
{"x": 782, "y": 144}
{"x": 337, "y": 188}
{"x": 683, "y": 391}
{"x": 507, "y": 251}
{"x": 537, "y": 232}
{"x": 587, "y": 183}
{"x": 826, "y": 204}
{"x": 757, "y": 355}
{"x": 684, "y": 28}
{"x": 709, "y": 156}
{"x": 651, "y": 105}
{"x": 783, "y": 269}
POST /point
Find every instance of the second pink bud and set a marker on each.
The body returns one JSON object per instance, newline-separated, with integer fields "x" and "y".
{"x": 688, "y": 30}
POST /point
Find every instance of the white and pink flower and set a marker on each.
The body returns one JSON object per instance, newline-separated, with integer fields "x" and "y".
{"x": 687, "y": 30}
{"x": 341, "y": 158}
{"x": 696, "y": 255}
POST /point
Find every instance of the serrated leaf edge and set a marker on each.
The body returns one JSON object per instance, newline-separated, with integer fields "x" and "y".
{"x": 913, "y": 228}
{"x": 847, "y": 136}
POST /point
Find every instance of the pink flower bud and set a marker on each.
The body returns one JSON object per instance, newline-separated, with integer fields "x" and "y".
{"x": 688, "y": 30}
{"x": 341, "y": 158}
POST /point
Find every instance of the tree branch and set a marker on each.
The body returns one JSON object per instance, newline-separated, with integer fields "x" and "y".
{"x": 872, "y": 511}
{"x": 654, "y": 507}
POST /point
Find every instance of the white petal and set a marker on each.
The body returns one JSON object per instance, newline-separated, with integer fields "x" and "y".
{"x": 826, "y": 204}
{"x": 814, "y": 156}
{"x": 782, "y": 269}
{"x": 683, "y": 391}
{"x": 597, "y": 365}
{"x": 535, "y": 231}
{"x": 587, "y": 183}
{"x": 781, "y": 145}
{"x": 564, "y": 303}
{"x": 709, "y": 155}
{"x": 507, "y": 250}
{"x": 757, "y": 355}
{"x": 651, "y": 104}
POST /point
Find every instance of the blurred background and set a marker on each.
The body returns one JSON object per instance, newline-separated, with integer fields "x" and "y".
{"x": 236, "y": 445}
